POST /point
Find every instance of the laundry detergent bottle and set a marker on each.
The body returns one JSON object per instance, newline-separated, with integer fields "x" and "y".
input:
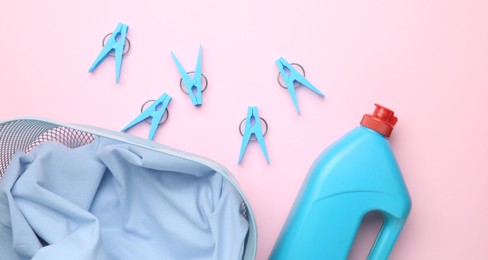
{"x": 354, "y": 176}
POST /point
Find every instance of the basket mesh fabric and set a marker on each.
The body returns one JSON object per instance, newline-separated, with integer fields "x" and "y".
{"x": 23, "y": 135}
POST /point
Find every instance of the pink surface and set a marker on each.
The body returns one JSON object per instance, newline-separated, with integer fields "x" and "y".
{"x": 426, "y": 60}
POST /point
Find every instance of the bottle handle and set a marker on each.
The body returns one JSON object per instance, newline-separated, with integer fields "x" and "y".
{"x": 392, "y": 226}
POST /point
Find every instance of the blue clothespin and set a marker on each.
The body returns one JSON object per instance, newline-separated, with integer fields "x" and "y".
{"x": 156, "y": 111}
{"x": 253, "y": 126}
{"x": 115, "y": 43}
{"x": 290, "y": 75}
{"x": 192, "y": 85}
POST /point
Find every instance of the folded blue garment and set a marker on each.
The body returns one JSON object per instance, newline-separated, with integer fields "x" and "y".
{"x": 113, "y": 200}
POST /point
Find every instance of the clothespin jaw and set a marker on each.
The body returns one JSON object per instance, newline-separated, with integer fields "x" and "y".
{"x": 192, "y": 85}
{"x": 253, "y": 127}
{"x": 155, "y": 111}
{"x": 115, "y": 43}
{"x": 290, "y": 76}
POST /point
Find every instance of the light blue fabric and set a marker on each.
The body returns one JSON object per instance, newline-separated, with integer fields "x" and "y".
{"x": 110, "y": 200}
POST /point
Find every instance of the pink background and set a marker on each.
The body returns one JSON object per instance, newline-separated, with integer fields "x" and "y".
{"x": 425, "y": 59}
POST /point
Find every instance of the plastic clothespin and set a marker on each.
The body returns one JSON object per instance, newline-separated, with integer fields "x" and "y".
{"x": 192, "y": 85}
{"x": 155, "y": 111}
{"x": 115, "y": 43}
{"x": 253, "y": 126}
{"x": 290, "y": 75}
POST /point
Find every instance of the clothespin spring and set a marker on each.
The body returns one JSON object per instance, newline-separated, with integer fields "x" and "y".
{"x": 183, "y": 88}
{"x": 296, "y": 83}
{"x": 254, "y": 137}
{"x": 126, "y": 47}
{"x": 148, "y": 120}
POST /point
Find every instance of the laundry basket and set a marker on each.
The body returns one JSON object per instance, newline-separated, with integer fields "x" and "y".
{"x": 21, "y": 140}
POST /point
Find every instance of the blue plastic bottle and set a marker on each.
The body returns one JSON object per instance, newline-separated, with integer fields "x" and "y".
{"x": 354, "y": 176}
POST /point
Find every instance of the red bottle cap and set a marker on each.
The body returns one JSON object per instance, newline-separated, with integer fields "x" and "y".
{"x": 382, "y": 120}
